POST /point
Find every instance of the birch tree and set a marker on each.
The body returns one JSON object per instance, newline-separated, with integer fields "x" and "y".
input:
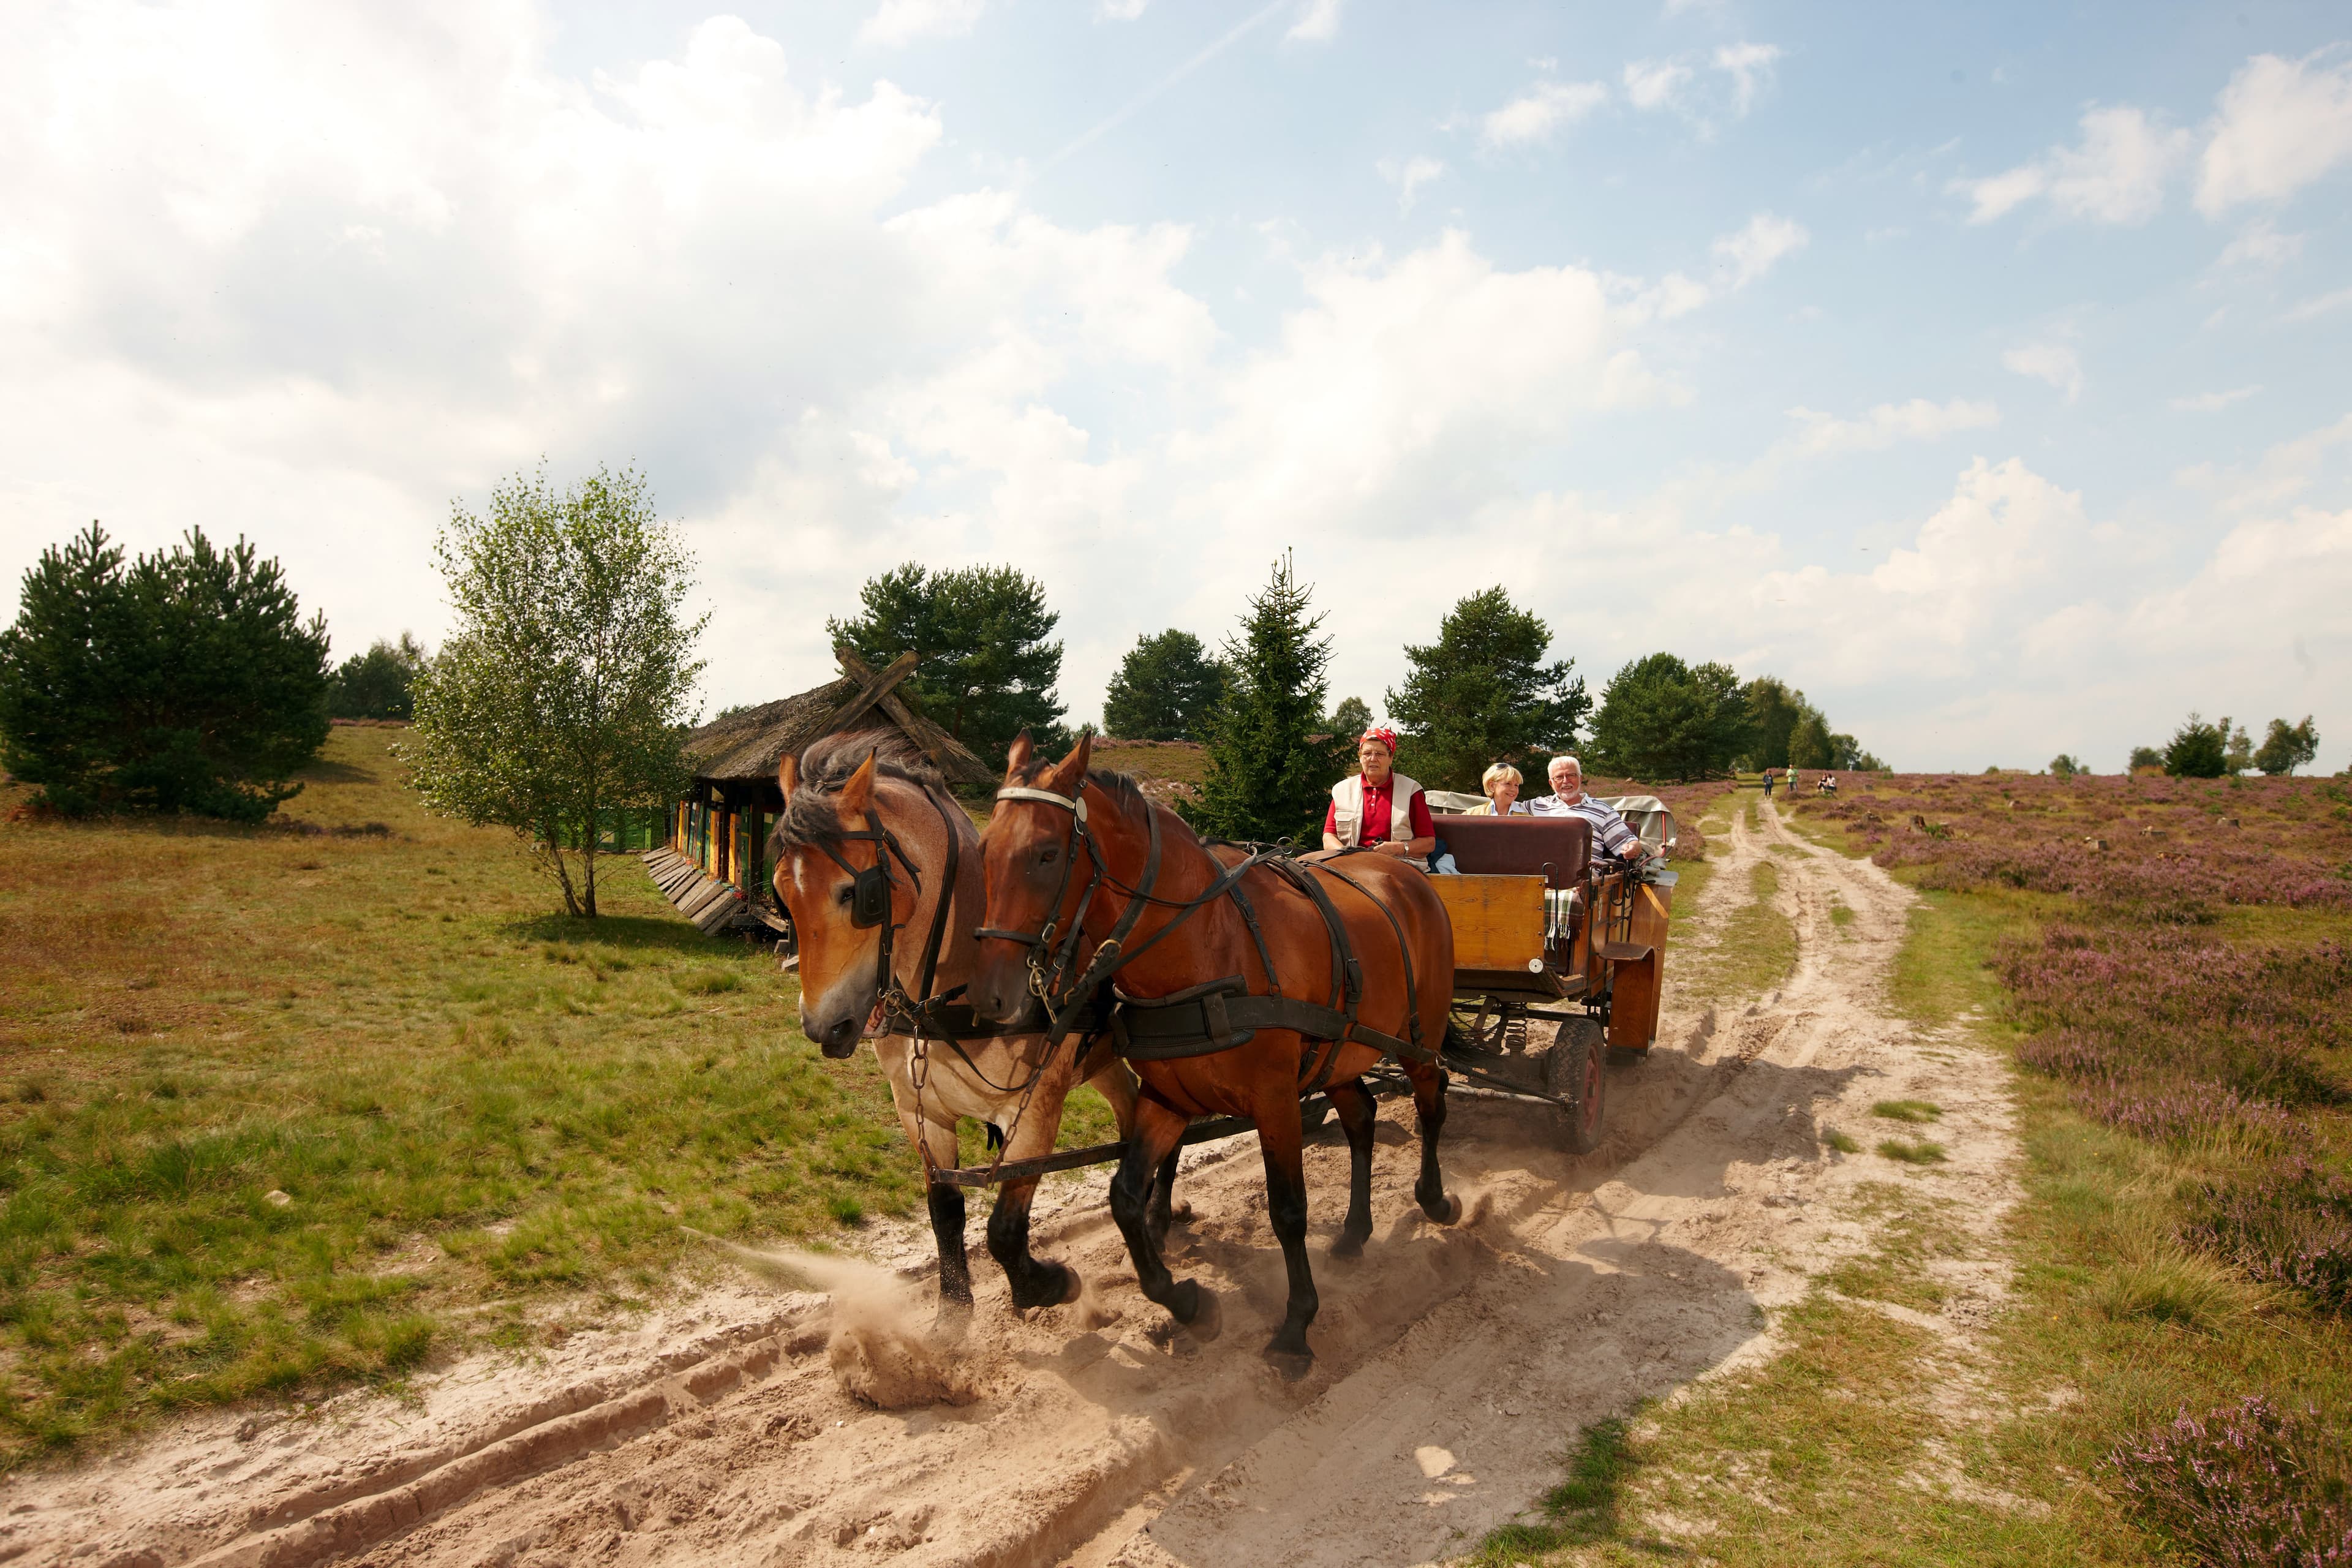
{"x": 563, "y": 691}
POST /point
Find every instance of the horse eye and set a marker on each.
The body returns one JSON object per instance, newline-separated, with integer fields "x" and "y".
{"x": 1046, "y": 856}
{"x": 847, "y": 894}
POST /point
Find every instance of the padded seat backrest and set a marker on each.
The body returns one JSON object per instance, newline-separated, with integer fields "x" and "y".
{"x": 1555, "y": 847}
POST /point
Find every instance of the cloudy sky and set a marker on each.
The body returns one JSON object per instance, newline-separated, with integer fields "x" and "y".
{"x": 1980, "y": 369}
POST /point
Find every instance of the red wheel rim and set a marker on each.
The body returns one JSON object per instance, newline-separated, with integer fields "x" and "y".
{"x": 1588, "y": 1109}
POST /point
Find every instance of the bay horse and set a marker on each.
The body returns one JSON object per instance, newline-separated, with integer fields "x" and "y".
{"x": 870, "y": 847}
{"x": 1239, "y": 988}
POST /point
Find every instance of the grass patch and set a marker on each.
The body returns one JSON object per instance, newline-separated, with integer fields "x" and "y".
{"x": 464, "y": 1097}
{"x": 1840, "y": 913}
{"x": 1580, "y": 1511}
{"x": 1756, "y": 945}
{"x": 1843, "y": 1142}
{"x": 1922, "y": 1153}
{"x": 1912, "y": 1111}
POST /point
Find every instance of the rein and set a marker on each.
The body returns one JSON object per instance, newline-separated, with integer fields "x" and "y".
{"x": 1050, "y": 972}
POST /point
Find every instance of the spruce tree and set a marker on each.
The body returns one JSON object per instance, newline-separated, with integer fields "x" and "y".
{"x": 1271, "y": 763}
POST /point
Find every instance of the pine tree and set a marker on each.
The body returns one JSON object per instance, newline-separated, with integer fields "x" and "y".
{"x": 1271, "y": 762}
{"x": 187, "y": 680}
{"x": 1482, "y": 694}
{"x": 1166, "y": 688}
{"x": 985, "y": 672}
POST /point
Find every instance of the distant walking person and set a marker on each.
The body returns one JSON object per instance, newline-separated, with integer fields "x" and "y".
{"x": 1768, "y": 783}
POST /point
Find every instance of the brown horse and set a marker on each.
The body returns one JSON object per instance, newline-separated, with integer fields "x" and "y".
{"x": 838, "y": 794}
{"x": 1073, "y": 850}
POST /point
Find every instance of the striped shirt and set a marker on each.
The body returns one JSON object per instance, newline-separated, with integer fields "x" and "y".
{"x": 1609, "y": 829}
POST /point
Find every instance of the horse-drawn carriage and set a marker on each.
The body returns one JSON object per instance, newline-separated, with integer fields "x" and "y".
{"x": 1090, "y": 932}
{"x": 1541, "y": 934}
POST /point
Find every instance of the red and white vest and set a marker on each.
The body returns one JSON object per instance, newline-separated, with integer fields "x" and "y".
{"x": 1348, "y": 808}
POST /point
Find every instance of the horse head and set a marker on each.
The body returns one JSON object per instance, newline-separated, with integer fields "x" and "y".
{"x": 1032, "y": 848}
{"x": 848, "y": 891}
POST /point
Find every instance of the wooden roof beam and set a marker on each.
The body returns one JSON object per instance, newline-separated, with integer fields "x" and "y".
{"x": 872, "y": 688}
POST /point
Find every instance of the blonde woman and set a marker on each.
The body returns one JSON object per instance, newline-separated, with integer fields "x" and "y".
{"x": 1500, "y": 785}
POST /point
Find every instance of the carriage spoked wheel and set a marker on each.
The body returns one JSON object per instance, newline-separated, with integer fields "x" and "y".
{"x": 1574, "y": 1069}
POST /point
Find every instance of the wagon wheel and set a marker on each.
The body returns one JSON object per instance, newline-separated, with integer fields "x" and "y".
{"x": 1573, "y": 1070}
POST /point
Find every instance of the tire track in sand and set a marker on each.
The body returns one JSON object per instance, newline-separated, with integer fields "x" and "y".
{"x": 1454, "y": 1363}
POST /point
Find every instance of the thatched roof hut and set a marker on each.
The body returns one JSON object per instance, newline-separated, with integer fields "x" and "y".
{"x": 721, "y": 827}
{"x": 743, "y": 748}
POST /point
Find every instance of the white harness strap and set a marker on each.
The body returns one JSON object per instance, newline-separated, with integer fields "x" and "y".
{"x": 1018, "y": 792}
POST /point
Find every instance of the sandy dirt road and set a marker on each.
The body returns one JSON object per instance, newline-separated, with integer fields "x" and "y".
{"x": 1454, "y": 1365}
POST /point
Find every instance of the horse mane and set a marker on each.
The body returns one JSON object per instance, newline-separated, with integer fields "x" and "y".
{"x": 810, "y": 816}
{"x": 1122, "y": 787}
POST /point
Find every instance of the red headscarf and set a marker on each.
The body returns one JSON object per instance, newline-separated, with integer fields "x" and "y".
{"x": 1386, "y": 737}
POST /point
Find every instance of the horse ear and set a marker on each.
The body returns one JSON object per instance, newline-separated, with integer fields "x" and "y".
{"x": 1023, "y": 750}
{"x": 858, "y": 794}
{"x": 1074, "y": 767}
{"x": 787, "y": 776}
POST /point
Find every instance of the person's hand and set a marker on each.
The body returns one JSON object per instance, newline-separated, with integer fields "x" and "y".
{"x": 1397, "y": 848}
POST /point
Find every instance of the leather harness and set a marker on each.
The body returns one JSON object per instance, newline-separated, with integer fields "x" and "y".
{"x": 1220, "y": 1015}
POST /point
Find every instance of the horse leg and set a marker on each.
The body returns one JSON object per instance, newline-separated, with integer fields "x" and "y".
{"x": 1357, "y": 1115}
{"x": 1429, "y": 1107}
{"x": 1116, "y": 1084}
{"x": 1162, "y": 1210}
{"x": 1278, "y": 1142}
{"x": 1158, "y": 1131}
{"x": 946, "y": 1204}
{"x": 1037, "y": 1281}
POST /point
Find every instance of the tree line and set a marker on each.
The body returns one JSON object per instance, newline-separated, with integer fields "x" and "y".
{"x": 188, "y": 680}
{"x": 2199, "y": 749}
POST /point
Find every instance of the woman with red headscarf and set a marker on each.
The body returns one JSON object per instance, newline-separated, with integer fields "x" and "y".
{"x": 1380, "y": 808}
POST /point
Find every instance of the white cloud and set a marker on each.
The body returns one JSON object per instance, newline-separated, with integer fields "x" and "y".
{"x": 1750, "y": 66}
{"x": 1409, "y": 176}
{"x": 1823, "y": 435}
{"x": 1541, "y": 110}
{"x": 2322, "y": 305}
{"x": 2052, "y": 362}
{"x": 1652, "y": 84}
{"x": 2279, "y": 125}
{"x": 1674, "y": 84}
{"x": 2260, "y": 248}
{"x": 1119, "y": 10}
{"x": 896, "y": 23}
{"x": 2213, "y": 402}
{"x": 2116, "y": 175}
{"x": 1751, "y": 253}
{"x": 1318, "y": 22}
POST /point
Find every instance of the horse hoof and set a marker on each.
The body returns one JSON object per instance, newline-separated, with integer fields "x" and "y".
{"x": 1292, "y": 1364}
{"x": 1446, "y": 1210}
{"x": 1207, "y": 1319}
{"x": 1073, "y": 1286}
{"x": 1348, "y": 1246}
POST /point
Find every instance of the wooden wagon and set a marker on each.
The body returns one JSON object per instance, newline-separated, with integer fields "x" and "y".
{"x": 1540, "y": 933}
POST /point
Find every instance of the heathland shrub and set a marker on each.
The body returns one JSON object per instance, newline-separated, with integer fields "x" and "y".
{"x": 2290, "y": 1225}
{"x": 2247, "y": 1486}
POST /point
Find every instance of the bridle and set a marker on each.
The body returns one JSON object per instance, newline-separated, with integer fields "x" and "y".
{"x": 1055, "y": 977}
{"x": 870, "y": 906}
